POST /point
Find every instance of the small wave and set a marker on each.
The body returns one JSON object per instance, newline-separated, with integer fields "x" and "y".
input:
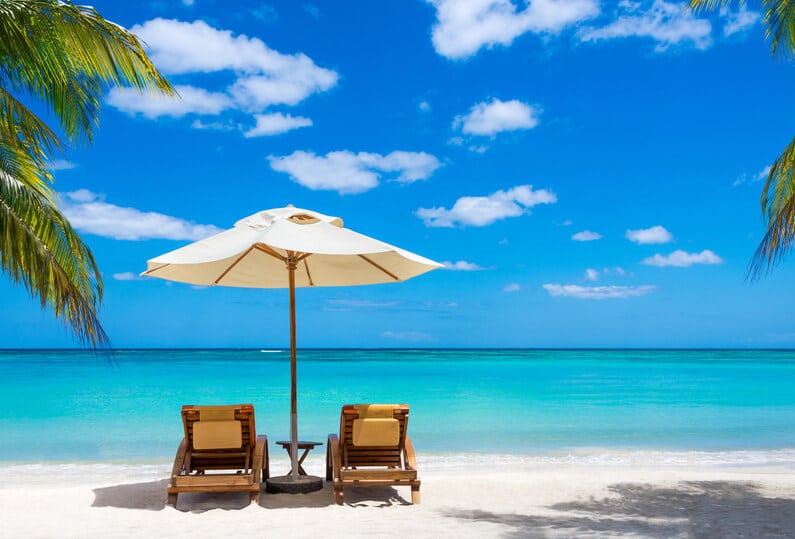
{"x": 607, "y": 457}
{"x": 271, "y": 351}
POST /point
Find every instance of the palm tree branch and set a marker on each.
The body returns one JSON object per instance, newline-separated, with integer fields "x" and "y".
{"x": 19, "y": 126}
{"x": 779, "y": 18}
{"x": 40, "y": 249}
{"x": 82, "y": 52}
{"x": 778, "y": 207}
{"x": 27, "y": 165}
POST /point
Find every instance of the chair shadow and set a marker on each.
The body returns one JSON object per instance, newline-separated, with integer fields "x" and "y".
{"x": 151, "y": 496}
{"x": 692, "y": 509}
{"x": 376, "y": 496}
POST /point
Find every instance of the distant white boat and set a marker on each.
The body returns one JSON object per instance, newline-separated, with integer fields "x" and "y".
{"x": 271, "y": 351}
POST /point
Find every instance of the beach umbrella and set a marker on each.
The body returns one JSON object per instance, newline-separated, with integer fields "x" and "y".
{"x": 288, "y": 248}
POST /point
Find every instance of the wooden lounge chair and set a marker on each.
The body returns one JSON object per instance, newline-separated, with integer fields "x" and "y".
{"x": 221, "y": 452}
{"x": 372, "y": 449}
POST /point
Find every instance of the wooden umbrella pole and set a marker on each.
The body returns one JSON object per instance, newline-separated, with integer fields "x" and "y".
{"x": 291, "y": 266}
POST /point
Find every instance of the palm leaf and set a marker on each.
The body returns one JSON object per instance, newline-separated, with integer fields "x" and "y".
{"x": 40, "y": 250}
{"x": 778, "y": 16}
{"x": 64, "y": 54}
{"x": 778, "y": 207}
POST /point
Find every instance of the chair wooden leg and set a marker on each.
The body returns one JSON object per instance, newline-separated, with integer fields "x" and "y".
{"x": 172, "y": 500}
{"x": 329, "y": 475}
{"x": 338, "y": 494}
{"x": 254, "y": 498}
{"x": 415, "y": 495}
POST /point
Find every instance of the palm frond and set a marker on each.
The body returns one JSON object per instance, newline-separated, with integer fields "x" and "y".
{"x": 779, "y": 16}
{"x": 40, "y": 250}
{"x": 20, "y": 164}
{"x": 779, "y": 20}
{"x": 707, "y": 5}
{"x": 778, "y": 208}
{"x": 25, "y": 144}
{"x": 65, "y": 54}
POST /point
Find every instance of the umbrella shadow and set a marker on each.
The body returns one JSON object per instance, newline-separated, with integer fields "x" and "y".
{"x": 354, "y": 497}
{"x": 691, "y": 509}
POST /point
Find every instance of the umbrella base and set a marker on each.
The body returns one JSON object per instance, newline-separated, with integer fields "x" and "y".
{"x": 284, "y": 484}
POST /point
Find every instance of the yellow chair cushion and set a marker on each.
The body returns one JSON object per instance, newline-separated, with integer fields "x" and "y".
{"x": 386, "y": 411}
{"x": 217, "y": 435}
{"x": 216, "y": 413}
{"x": 376, "y": 432}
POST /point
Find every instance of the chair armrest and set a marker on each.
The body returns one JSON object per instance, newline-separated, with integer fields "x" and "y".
{"x": 179, "y": 460}
{"x": 333, "y": 460}
{"x": 260, "y": 456}
{"x": 411, "y": 458}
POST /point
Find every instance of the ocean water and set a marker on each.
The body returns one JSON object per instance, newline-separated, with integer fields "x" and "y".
{"x": 74, "y": 406}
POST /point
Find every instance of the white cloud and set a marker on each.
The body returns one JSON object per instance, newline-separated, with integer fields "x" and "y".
{"x": 667, "y": 23}
{"x": 260, "y": 76}
{"x": 737, "y": 21}
{"x": 655, "y": 234}
{"x": 513, "y": 287}
{"x": 61, "y": 164}
{"x": 681, "y": 259}
{"x": 762, "y": 174}
{"x": 216, "y": 126}
{"x": 496, "y": 117}
{"x": 462, "y": 28}
{"x": 586, "y": 235}
{"x": 484, "y": 210}
{"x": 347, "y": 172}
{"x": 89, "y": 213}
{"x": 273, "y": 124}
{"x": 265, "y": 13}
{"x": 758, "y": 177}
{"x": 424, "y": 106}
{"x": 597, "y": 292}
{"x": 461, "y": 265}
{"x": 127, "y": 276}
{"x": 152, "y": 105}
{"x": 312, "y": 10}
{"x": 592, "y": 274}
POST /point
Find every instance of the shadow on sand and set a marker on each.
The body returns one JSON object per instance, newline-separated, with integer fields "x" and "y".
{"x": 692, "y": 509}
{"x": 151, "y": 496}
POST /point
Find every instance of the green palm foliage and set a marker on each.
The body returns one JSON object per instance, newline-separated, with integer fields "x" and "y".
{"x": 778, "y": 195}
{"x": 63, "y": 56}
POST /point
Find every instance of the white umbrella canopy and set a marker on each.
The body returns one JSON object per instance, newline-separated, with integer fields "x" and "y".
{"x": 288, "y": 248}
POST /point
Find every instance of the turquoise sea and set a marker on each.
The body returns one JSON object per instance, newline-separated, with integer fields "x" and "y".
{"x": 65, "y": 406}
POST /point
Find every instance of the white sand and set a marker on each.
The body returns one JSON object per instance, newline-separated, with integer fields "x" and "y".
{"x": 466, "y": 497}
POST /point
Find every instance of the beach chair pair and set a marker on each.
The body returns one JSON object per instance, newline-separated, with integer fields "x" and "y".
{"x": 221, "y": 451}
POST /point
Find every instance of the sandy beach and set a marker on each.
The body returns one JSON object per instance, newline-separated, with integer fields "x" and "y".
{"x": 471, "y": 497}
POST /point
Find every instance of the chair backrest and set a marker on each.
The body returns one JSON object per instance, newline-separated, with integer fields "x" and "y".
{"x": 373, "y": 434}
{"x": 209, "y": 428}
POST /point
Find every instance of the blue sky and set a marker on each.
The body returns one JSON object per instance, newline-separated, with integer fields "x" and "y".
{"x": 588, "y": 171}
